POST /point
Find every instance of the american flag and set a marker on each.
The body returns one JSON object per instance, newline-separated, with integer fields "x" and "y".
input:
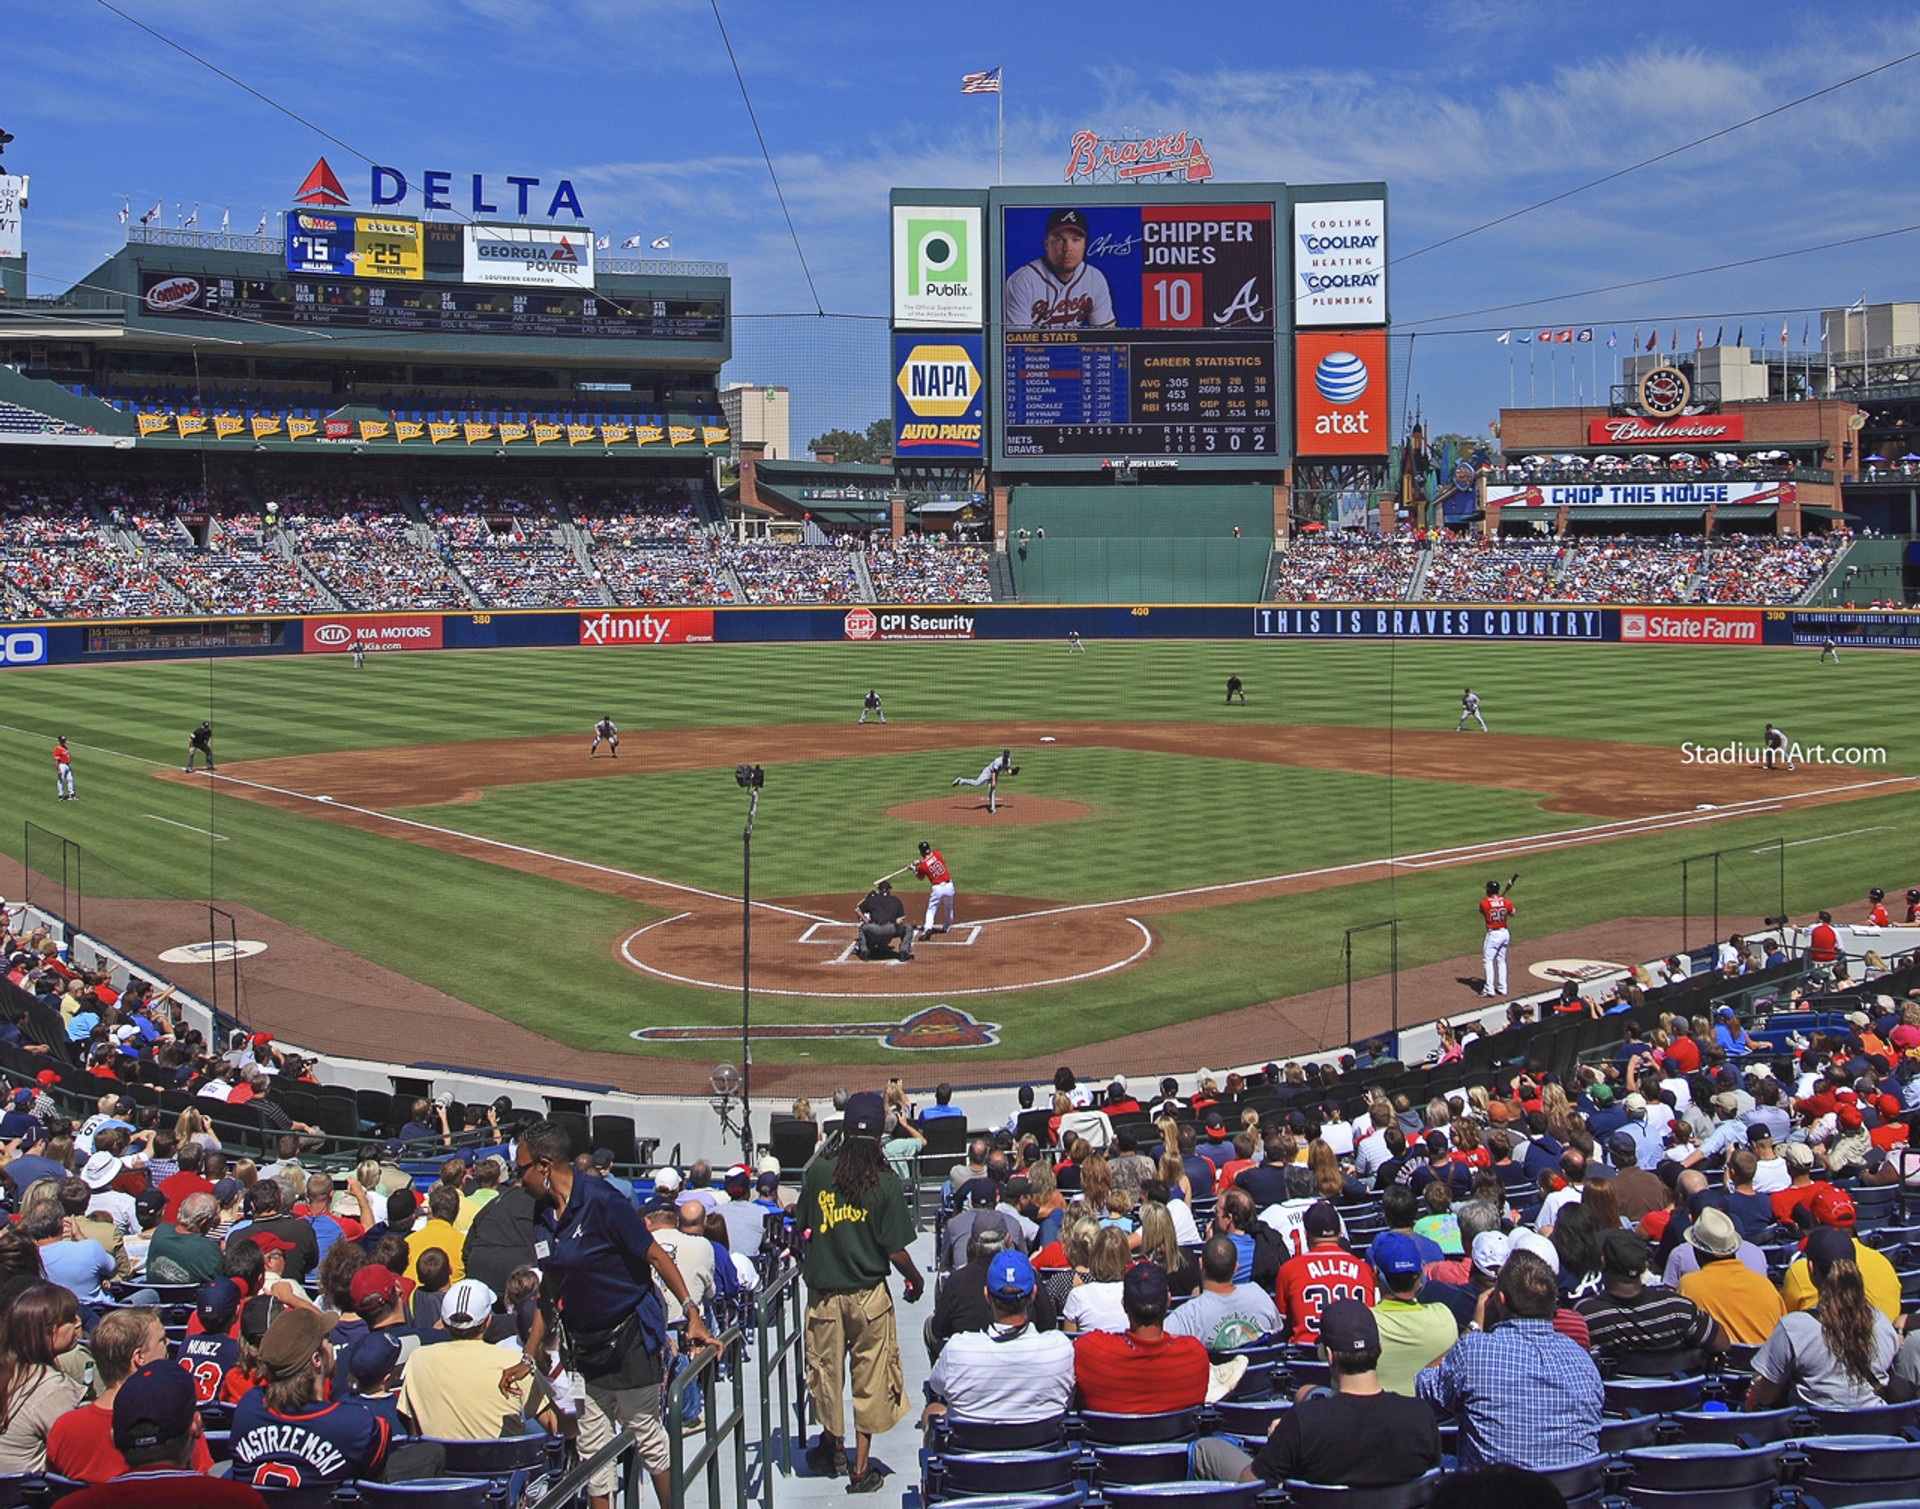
{"x": 980, "y": 83}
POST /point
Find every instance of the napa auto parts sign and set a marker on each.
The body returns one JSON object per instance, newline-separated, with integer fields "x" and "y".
{"x": 1690, "y": 626}
{"x": 679, "y": 626}
{"x": 371, "y": 631}
{"x": 904, "y": 623}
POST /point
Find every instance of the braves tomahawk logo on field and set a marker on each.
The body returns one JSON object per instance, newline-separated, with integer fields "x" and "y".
{"x": 1059, "y": 289}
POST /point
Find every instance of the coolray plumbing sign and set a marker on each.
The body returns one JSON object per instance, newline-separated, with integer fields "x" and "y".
{"x": 1340, "y": 262}
{"x": 867, "y": 623}
{"x": 676, "y": 626}
{"x": 375, "y": 631}
{"x": 1428, "y": 623}
{"x": 22, "y": 646}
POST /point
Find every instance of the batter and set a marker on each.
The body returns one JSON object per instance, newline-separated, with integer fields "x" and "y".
{"x": 933, "y": 869}
{"x": 605, "y": 733}
{"x": 1496, "y": 911}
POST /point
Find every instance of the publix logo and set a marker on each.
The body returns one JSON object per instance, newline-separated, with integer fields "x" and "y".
{"x": 1341, "y": 377}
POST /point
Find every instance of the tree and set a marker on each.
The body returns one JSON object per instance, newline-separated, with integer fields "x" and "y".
{"x": 847, "y": 445}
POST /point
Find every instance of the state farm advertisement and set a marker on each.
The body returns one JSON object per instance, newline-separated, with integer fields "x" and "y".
{"x": 896, "y": 623}
{"x": 371, "y": 631}
{"x": 668, "y": 626}
{"x": 1690, "y": 626}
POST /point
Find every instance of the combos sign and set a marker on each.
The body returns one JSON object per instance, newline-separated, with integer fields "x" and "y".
{"x": 374, "y": 631}
{"x": 939, "y": 397}
{"x": 23, "y": 646}
{"x": 939, "y": 266}
{"x": 677, "y": 626}
{"x": 1340, "y": 262}
{"x": 867, "y": 623}
{"x": 1340, "y": 393}
{"x": 1691, "y": 626}
{"x": 1727, "y": 427}
{"x": 530, "y": 256}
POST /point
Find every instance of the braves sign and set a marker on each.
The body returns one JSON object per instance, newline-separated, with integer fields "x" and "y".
{"x": 680, "y": 626}
{"x": 374, "y": 631}
{"x": 1178, "y": 156}
{"x": 1727, "y": 427}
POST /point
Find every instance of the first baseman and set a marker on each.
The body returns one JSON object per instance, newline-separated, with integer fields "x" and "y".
{"x": 1496, "y": 911}
{"x": 933, "y": 869}
{"x": 604, "y": 731}
{"x": 62, "y": 770}
{"x": 1059, "y": 289}
{"x": 1470, "y": 708}
{"x": 872, "y": 705}
{"x": 1776, "y": 744}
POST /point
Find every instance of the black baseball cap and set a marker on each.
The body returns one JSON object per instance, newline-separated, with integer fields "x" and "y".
{"x": 1321, "y": 1219}
{"x": 155, "y": 1404}
{"x": 1347, "y": 1327}
{"x": 1074, "y": 220}
{"x": 1144, "y": 1287}
{"x": 866, "y": 1114}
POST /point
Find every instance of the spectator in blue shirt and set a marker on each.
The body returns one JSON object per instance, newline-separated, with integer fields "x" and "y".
{"x": 942, "y": 1106}
{"x": 1731, "y": 1035}
{"x": 1233, "y": 1218}
{"x": 78, "y": 1266}
{"x": 1526, "y": 1395}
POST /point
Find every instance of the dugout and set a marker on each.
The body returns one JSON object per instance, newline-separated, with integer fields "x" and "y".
{"x": 1166, "y": 544}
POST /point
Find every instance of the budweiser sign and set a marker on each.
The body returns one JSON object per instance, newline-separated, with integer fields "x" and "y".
{"x": 1728, "y": 427}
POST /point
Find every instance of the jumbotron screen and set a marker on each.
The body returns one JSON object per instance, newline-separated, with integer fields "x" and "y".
{"x": 1139, "y": 329}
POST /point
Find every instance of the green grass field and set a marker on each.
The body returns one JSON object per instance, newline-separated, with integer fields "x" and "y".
{"x": 1158, "y": 821}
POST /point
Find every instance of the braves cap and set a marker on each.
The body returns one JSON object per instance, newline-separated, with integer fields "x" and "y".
{"x": 767, "y": 1183}
{"x": 1144, "y": 1287}
{"x": 1347, "y": 1327}
{"x": 373, "y": 1357}
{"x": 738, "y": 1176}
{"x": 1321, "y": 1219}
{"x": 1396, "y": 1254}
{"x": 1833, "y": 1207}
{"x": 1622, "y": 1142}
{"x": 1850, "y": 1118}
{"x": 1068, "y": 219}
{"x": 217, "y": 1303}
{"x": 1009, "y": 1276}
{"x": 373, "y": 1287}
{"x": 603, "y": 1157}
{"x": 1829, "y": 1245}
{"x": 155, "y": 1404}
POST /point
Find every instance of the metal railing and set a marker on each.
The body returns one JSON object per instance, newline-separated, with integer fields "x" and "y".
{"x": 703, "y": 1371}
{"x": 781, "y": 1334}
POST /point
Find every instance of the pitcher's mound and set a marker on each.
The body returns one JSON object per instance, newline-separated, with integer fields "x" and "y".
{"x": 969, "y": 808}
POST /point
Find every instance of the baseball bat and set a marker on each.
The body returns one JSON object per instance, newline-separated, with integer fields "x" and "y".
{"x": 890, "y": 874}
{"x": 1511, "y": 882}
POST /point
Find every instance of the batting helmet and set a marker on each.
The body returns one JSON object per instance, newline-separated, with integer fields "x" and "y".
{"x": 925, "y": 847}
{"x": 1876, "y": 894}
{"x": 1493, "y": 888}
{"x": 1913, "y": 895}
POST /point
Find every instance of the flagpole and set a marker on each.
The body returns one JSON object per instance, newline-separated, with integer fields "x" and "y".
{"x": 1000, "y": 105}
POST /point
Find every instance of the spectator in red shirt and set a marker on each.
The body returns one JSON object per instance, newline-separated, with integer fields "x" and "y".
{"x": 156, "y": 1428}
{"x": 1314, "y": 1279}
{"x": 1142, "y": 1370}
{"x": 188, "y": 1181}
{"x": 80, "y": 1445}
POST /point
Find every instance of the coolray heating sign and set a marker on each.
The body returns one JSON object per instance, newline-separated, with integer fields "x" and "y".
{"x": 1340, "y": 262}
{"x": 866, "y": 623}
{"x": 1690, "y": 626}
{"x": 1428, "y": 623}
{"x": 376, "y": 631}
{"x": 23, "y": 646}
{"x": 679, "y": 626}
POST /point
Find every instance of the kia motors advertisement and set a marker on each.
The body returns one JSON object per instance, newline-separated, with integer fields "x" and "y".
{"x": 1690, "y": 626}
{"x": 372, "y": 631}
{"x": 666, "y": 626}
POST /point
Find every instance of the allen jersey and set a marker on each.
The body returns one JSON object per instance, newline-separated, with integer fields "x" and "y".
{"x": 933, "y": 868}
{"x": 325, "y": 1443}
{"x": 1315, "y": 1279}
{"x": 1497, "y": 910}
{"x": 1037, "y": 300}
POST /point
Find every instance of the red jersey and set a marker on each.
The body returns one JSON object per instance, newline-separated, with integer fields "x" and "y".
{"x": 1118, "y": 1373}
{"x": 1497, "y": 910}
{"x": 1913, "y": 911}
{"x": 1684, "y": 1054}
{"x": 60, "y": 755}
{"x": 1313, "y": 1280}
{"x": 1823, "y": 944}
{"x": 80, "y": 1445}
{"x": 1878, "y": 916}
{"x": 932, "y": 868}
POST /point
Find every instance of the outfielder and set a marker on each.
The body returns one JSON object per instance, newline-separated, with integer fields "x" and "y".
{"x": 1059, "y": 290}
{"x": 1496, "y": 911}
{"x": 872, "y": 705}
{"x": 933, "y": 869}
{"x": 1236, "y": 688}
{"x": 1470, "y": 708}
{"x": 1828, "y": 651}
{"x": 359, "y": 653}
{"x": 605, "y": 732}
{"x": 62, "y": 770}
{"x": 1776, "y": 744}
{"x": 1074, "y": 647}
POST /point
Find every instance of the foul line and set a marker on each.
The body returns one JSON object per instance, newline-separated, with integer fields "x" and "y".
{"x": 1552, "y": 838}
{"x": 626, "y": 952}
{"x": 218, "y": 838}
{"x": 1827, "y": 838}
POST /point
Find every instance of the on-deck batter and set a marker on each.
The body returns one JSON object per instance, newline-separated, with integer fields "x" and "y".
{"x": 1496, "y": 911}
{"x": 933, "y": 869}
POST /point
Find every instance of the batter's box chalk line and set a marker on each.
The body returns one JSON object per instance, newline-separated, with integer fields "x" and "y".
{"x": 964, "y": 935}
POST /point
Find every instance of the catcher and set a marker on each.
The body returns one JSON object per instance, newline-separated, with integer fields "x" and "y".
{"x": 883, "y": 919}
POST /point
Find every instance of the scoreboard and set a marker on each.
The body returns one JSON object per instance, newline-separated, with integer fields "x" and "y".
{"x": 365, "y": 246}
{"x": 1137, "y": 326}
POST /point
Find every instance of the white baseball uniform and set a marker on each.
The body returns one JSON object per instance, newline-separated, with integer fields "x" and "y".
{"x": 1470, "y": 708}
{"x": 1037, "y": 300}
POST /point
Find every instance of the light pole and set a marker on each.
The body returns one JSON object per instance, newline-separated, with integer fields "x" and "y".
{"x": 750, "y": 778}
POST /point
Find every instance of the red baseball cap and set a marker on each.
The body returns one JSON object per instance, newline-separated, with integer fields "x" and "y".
{"x": 1888, "y": 1105}
{"x": 1833, "y": 1207}
{"x": 374, "y": 1286}
{"x": 267, "y": 1242}
{"x": 1849, "y": 1116}
{"x": 261, "y": 1039}
{"x": 47, "y": 1077}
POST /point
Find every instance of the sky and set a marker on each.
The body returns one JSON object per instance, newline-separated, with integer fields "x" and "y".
{"x": 1468, "y": 111}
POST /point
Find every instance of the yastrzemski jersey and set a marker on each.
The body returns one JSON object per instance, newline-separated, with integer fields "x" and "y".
{"x": 1498, "y": 911}
{"x": 326, "y": 1443}
{"x": 209, "y": 1359}
{"x": 1037, "y": 300}
{"x": 933, "y": 868}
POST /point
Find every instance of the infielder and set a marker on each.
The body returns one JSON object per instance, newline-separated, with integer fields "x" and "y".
{"x": 359, "y": 654}
{"x": 62, "y": 770}
{"x": 605, "y": 732}
{"x": 872, "y": 705}
{"x": 933, "y": 869}
{"x": 1496, "y": 911}
{"x": 1776, "y": 745}
{"x": 200, "y": 742}
{"x": 1059, "y": 290}
{"x": 1470, "y": 708}
{"x": 1236, "y": 688}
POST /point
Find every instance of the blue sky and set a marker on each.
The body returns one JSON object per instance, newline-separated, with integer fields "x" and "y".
{"x": 1467, "y": 110}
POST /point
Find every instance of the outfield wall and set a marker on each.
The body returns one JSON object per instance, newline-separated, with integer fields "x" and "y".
{"x": 100, "y": 641}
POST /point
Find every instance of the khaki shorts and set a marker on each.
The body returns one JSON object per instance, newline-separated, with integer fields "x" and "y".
{"x": 603, "y": 1410}
{"x": 857, "y": 1327}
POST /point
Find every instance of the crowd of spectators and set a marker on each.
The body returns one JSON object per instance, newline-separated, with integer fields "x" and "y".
{"x": 1633, "y": 571}
{"x": 1346, "y": 568}
{"x": 650, "y": 551}
{"x": 928, "y": 568}
{"x": 1764, "y": 570}
{"x": 775, "y": 573}
{"x": 1481, "y": 570}
{"x": 365, "y": 550}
